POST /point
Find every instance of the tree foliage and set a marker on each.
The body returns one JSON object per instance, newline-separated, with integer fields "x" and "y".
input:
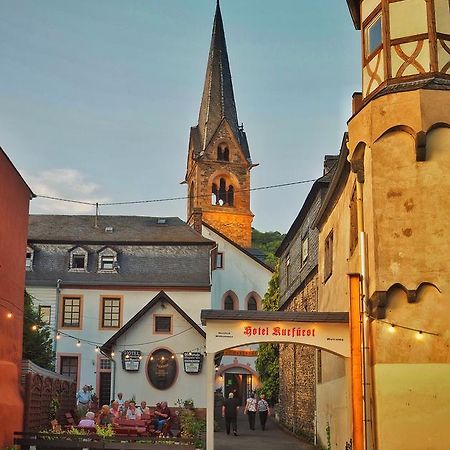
{"x": 37, "y": 343}
{"x": 267, "y": 242}
{"x": 267, "y": 363}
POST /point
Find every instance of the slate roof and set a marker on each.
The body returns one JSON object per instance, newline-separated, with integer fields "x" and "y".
{"x": 77, "y": 229}
{"x": 160, "y": 297}
{"x": 218, "y": 102}
{"x": 320, "y": 183}
{"x": 148, "y": 254}
{"x": 274, "y": 316}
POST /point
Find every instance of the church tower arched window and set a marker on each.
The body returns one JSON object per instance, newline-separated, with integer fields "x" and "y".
{"x": 222, "y": 193}
{"x": 223, "y": 153}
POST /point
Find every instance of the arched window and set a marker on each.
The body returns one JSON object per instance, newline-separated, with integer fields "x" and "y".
{"x": 228, "y": 304}
{"x": 223, "y": 154}
{"x": 222, "y": 193}
{"x": 252, "y": 304}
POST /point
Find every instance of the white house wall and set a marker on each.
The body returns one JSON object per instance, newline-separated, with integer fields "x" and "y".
{"x": 137, "y": 384}
{"x": 192, "y": 302}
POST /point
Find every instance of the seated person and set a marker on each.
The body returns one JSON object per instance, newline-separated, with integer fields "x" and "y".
{"x": 115, "y": 409}
{"x": 132, "y": 412}
{"x": 144, "y": 409}
{"x": 124, "y": 408}
{"x": 88, "y": 421}
{"x": 105, "y": 417}
{"x": 162, "y": 414}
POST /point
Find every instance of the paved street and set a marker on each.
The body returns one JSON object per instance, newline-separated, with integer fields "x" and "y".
{"x": 271, "y": 439}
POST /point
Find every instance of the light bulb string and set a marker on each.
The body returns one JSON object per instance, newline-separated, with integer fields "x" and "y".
{"x": 404, "y": 327}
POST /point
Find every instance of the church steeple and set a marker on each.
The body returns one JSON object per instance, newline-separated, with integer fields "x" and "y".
{"x": 219, "y": 163}
{"x": 218, "y": 96}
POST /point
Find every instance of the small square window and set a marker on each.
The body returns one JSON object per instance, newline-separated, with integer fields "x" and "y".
{"x": 78, "y": 261}
{"x": 29, "y": 261}
{"x": 107, "y": 262}
{"x": 374, "y": 35}
{"x": 163, "y": 324}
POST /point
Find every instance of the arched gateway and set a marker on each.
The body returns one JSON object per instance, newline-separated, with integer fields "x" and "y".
{"x": 228, "y": 329}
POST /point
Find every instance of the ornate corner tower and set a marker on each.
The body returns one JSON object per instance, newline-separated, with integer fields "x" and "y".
{"x": 403, "y": 41}
{"x": 219, "y": 163}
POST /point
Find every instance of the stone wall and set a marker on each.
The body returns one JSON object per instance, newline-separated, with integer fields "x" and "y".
{"x": 298, "y": 371}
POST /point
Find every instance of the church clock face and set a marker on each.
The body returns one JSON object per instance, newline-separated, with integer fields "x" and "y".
{"x": 162, "y": 369}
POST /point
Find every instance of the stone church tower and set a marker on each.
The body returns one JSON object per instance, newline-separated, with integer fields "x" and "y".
{"x": 219, "y": 163}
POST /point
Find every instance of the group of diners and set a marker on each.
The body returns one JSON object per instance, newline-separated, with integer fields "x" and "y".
{"x": 127, "y": 409}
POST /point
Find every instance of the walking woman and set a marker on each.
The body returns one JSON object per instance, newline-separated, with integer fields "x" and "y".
{"x": 263, "y": 411}
{"x": 250, "y": 410}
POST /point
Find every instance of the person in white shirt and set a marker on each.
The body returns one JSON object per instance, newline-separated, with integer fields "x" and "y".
{"x": 250, "y": 410}
{"x": 132, "y": 412}
{"x": 263, "y": 410}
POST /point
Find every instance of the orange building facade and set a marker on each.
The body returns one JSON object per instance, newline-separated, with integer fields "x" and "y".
{"x": 15, "y": 196}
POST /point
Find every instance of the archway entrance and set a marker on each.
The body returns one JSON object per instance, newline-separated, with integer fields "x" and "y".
{"x": 229, "y": 329}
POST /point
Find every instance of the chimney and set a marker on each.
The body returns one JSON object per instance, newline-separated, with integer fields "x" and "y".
{"x": 196, "y": 220}
{"x": 356, "y": 102}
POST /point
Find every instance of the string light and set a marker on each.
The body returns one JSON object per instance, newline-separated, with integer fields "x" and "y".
{"x": 392, "y": 328}
{"x": 58, "y": 335}
{"x": 97, "y": 349}
{"x": 78, "y": 343}
{"x": 34, "y": 327}
{"x": 419, "y": 336}
{"x": 9, "y": 315}
{"x": 113, "y": 354}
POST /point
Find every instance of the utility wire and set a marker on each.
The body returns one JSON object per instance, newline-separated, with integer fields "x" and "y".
{"x": 169, "y": 199}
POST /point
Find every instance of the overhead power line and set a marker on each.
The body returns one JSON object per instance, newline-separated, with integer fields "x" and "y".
{"x": 169, "y": 199}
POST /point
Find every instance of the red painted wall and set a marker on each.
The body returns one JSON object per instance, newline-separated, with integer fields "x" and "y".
{"x": 14, "y": 204}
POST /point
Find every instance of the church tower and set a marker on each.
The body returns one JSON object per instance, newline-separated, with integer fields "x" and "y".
{"x": 219, "y": 163}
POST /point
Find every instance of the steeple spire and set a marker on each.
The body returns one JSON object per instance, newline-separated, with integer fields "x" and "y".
{"x": 218, "y": 96}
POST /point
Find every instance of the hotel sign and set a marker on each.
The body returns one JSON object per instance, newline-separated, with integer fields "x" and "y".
{"x": 131, "y": 360}
{"x": 227, "y": 334}
{"x": 192, "y": 362}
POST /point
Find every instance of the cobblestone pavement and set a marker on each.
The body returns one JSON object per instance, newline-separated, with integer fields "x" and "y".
{"x": 274, "y": 438}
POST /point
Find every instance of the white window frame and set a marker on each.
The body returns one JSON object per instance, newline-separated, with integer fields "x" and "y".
{"x": 110, "y": 254}
{"x": 369, "y": 26}
{"x": 29, "y": 260}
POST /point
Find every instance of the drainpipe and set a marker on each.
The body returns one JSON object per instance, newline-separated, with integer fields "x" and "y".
{"x": 367, "y": 384}
{"x": 58, "y": 292}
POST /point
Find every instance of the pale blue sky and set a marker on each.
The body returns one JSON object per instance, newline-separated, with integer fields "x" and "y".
{"x": 97, "y": 96}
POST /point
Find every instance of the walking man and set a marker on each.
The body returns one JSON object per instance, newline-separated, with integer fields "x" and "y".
{"x": 229, "y": 411}
{"x": 263, "y": 411}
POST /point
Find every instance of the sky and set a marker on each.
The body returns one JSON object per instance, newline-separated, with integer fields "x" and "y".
{"x": 97, "y": 96}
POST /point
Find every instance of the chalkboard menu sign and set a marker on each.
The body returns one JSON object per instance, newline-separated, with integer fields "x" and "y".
{"x": 162, "y": 369}
{"x": 131, "y": 360}
{"x": 192, "y": 362}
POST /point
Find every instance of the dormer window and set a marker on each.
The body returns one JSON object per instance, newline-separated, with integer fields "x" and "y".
{"x": 223, "y": 153}
{"x": 107, "y": 260}
{"x": 29, "y": 259}
{"x": 78, "y": 260}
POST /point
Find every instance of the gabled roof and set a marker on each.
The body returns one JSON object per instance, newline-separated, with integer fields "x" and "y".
{"x": 340, "y": 176}
{"x": 218, "y": 102}
{"x": 160, "y": 297}
{"x": 353, "y": 6}
{"x": 238, "y": 247}
{"x": 2, "y": 152}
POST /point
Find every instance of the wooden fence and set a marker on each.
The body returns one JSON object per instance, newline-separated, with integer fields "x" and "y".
{"x": 40, "y": 388}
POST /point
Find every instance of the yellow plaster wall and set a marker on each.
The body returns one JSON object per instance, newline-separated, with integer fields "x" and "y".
{"x": 423, "y": 58}
{"x": 443, "y": 56}
{"x": 367, "y": 6}
{"x": 334, "y": 410}
{"x": 413, "y": 406}
{"x": 442, "y": 13}
{"x": 407, "y": 18}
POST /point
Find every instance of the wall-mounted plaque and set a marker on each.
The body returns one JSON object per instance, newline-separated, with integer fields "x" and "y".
{"x": 192, "y": 362}
{"x": 131, "y": 360}
{"x": 162, "y": 369}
